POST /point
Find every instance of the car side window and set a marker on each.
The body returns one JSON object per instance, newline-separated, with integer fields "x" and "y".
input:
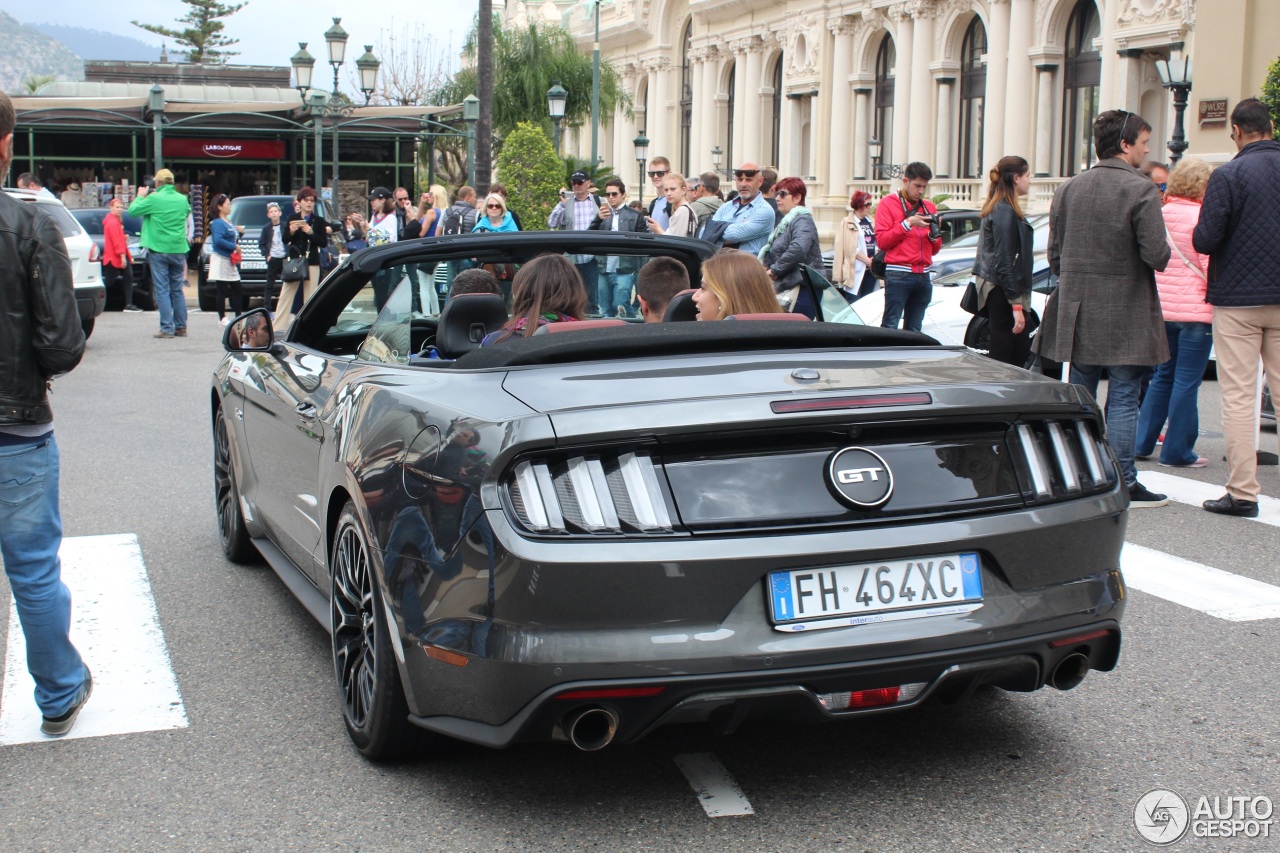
{"x": 407, "y": 307}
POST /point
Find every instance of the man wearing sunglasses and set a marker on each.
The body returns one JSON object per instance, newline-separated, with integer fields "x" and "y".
{"x": 575, "y": 212}
{"x": 617, "y": 272}
{"x": 1159, "y": 175}
{"x": 745, "y": 222}
{"x": 1106, "y": 240}
{"x": 659, "y": 167}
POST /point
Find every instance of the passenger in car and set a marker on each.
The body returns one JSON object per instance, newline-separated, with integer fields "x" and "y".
{"x": 734, "y": 282}
{"x": 659, "y": 281}
{"x": 475, "y": 281}
{"x": 546, "y": 290}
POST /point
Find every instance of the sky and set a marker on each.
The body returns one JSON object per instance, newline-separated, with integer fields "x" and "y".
{"x": 269, "y": 30}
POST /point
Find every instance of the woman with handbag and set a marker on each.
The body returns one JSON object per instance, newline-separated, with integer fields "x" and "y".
{"x": 849, "y": 266}
{"x": 792, "y": 245}
{"x": 223, "y": 260}
{"x": 1002, "y": 269}
{"x": 861, "y": 204}
{"x": 1174, "y": 391}
{"x": 307, "y": 233}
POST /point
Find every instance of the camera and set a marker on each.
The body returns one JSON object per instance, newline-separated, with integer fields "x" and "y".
{"x": 149, "y": 182}
{"x": 935, "y": 226}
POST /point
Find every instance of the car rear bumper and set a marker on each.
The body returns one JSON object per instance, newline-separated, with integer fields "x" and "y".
{"x": 91, "y": 300}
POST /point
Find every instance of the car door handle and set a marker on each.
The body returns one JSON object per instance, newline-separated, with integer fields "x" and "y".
{"x": 305, "y": 410}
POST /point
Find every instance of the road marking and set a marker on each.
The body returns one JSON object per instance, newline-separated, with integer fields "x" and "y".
{"x": 1185, "y": 490}
{"x": 719, "y": 795}
{"x": 115, "y": 626}
{"x": 1200, "y": 587}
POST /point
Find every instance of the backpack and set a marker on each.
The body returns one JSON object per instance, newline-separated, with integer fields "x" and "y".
{"x": 455, "y": 221}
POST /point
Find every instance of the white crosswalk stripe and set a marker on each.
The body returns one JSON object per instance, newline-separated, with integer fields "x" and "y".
{"x": 117, "y": 630}
{"x": 1204, "y": 588}
{"x": 1185, "y": 490}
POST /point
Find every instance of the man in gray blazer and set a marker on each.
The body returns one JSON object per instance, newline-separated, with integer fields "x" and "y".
{"x": 1106, "y": 240}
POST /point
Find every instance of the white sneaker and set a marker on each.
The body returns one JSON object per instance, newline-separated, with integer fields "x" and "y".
{"x": 225, "y": 321}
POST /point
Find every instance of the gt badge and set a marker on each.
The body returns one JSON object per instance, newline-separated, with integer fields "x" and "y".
{"x": 860, "y": 477}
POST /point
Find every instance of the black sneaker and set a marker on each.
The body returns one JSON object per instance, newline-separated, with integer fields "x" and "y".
{"x": 1227, "y": 505}
{"x": 132, "y": 309}
{"x": 1140, "y": 496}
{"x": 61, "y": 724}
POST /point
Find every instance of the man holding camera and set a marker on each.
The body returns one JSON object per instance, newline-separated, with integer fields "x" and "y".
{"x": 908, "y": 234}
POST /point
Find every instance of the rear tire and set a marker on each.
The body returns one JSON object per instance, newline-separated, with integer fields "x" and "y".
{"x": 373, "y": 704}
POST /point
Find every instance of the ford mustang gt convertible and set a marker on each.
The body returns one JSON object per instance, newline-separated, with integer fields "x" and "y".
{"x": 607, "y": 527}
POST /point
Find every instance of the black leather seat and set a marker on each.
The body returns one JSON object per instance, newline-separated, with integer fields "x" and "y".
{"x": 466, "y": 319}
{"x": 681, "y": 308}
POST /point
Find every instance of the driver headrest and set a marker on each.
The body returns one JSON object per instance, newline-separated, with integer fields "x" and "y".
{"x": 681, "y": 308}
{"x": 466, "y": 319}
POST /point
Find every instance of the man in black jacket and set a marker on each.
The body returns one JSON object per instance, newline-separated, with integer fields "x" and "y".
{"x": 43, "y": 339}
{"x": 1238, "y": 228}
{"x": 617, "y": 273}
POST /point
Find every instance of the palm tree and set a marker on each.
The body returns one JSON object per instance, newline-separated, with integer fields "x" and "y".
{"x": 484, "y": 91}
{"x": 33, "y": 83}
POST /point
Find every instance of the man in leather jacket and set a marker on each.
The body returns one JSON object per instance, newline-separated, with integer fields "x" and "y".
{"x": 43, "y": 339}
{"x": 617, "y": 272}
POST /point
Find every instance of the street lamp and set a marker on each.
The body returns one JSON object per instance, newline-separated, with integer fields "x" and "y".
{"x": 471, "y": 115}
{"x": 155, "y": 105}
{"x": 333, "y": 105}
{"x": 874, "y": 148}
{"x": 641, "y": 142}
{"x": 368, "y": 66}
{"x": 556, "y": 98}
{"x": 336, "y": 38}
{"x": 717, "y": 158}
{"x": 1176, "y": 77}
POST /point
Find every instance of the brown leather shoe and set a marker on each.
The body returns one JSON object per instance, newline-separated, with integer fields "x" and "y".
{"x": 180, "y": 333}
{"x": 162, "y": 335}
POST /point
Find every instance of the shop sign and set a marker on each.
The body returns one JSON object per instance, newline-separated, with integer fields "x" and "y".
{"x": 1213, "y": 111}
{"x": 223, "y": 149}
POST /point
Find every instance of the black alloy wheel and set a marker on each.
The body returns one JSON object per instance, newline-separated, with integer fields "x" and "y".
{"x": 236, "y": 543}
{"x": 373, "y": 703}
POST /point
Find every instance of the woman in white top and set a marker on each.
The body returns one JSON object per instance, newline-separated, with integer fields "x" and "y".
{"x": 849, "y": 267}
{"x": 684, "y": 222}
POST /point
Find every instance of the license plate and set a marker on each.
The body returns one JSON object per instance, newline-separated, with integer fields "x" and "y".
{"x": 253, "y": 265}
{"x": 919, "y": 586}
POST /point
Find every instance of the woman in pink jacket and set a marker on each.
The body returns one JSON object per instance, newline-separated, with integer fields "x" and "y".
{"x": 1188, "y": 322}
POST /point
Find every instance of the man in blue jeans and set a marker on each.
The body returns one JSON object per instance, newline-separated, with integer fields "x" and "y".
{"x": 40, "y": 325}
{"x": 906, "y": 233}
{"x": 164, "y": 234}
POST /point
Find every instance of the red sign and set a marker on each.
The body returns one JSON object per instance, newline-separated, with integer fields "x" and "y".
{"x": 223, "y": 149}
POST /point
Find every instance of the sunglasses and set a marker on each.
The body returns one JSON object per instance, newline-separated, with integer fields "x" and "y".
{"x": 1124, "y": 126}
{"x": 578, "y": 183}
{"x": 745, "y": 173}
{"x": 493, "y": 207}
{"x": 659, "y": 174}
{"x": 781, "y": 194}
{"x": 1162, "y": 187}
{"x": 613, "y": 194}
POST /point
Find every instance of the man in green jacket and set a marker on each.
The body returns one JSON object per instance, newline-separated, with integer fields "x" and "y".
{"x": 164, "y": 215}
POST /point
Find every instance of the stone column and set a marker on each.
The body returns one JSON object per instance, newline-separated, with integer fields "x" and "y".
{"x": 921, "y": 121}
{"x": 1044, "y": 120}
{"x": 661, "y": 141}
{"x": 752, "y": 147}
{"x": 997, "y": 81}
{"x": 944, "y": 156}
{"x": 861, "y": 133}
{"x": 1107, "y": 89}
{"x": 1017, "y": 116}
{"x": 739, "y": 155}
{"x": 1129, "y": 81}
{"x": 706, "y": 110}
{"x": 696, "y": 155}
{"x": 904, "y": 44}
{"x": 838, "y": 136}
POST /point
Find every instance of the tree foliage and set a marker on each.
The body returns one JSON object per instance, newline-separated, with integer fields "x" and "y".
{"x": 1271, "y": 95}
{"x": 532, "y": 174}
{"x": 525, "y": 62}
{"x": 413, "y": 67}
{"x": 201, "y": 32}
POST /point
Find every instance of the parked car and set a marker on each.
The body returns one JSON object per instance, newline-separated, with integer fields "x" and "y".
{"x": 955, "y": 225}
{"x": 605, "y": 527}
{"x": 86, "y": 267}
{"x": 961, "y": 255}
{"x": 90, "y": 219}
{"x": 251, "y": 212}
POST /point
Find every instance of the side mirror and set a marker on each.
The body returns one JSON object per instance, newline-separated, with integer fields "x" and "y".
{"x": 251, "y": 332}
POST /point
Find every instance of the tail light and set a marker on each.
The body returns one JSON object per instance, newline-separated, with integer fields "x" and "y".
{"x": 1061, "y": 459}
{"x": 591, "y": 493}
{"x": 94, "y": 255}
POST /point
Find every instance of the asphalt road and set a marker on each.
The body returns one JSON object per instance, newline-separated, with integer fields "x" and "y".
{"x": 265, "y": 763}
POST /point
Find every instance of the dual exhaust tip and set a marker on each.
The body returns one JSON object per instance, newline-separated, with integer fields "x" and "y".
{"x": 591, "y": 728}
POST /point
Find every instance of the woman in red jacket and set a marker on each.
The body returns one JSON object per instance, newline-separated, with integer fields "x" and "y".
{"x": 907, "y": 234}
{"x": 117, "y": 262}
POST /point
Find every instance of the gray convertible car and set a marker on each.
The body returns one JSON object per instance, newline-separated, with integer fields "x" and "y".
{"x": 592, "y": 532}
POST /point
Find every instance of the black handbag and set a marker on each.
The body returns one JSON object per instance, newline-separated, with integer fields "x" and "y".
{"x": 294, "y": 269}
{"x": 878, "y": 265}
{"x": 969, "y": 301}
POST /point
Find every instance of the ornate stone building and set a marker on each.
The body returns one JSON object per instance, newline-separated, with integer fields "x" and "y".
{"x": 840, "y": 92}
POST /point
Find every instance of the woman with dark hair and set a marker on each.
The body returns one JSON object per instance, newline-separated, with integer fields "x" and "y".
{"x": 734, "y": 282}
{"x": 548, "y": 289}
{"x": 1002, "y": 269}
{"x": 849, "y": 266}
{"x": 792, "y": 245}
{"x": 223, "y": 272}
{"x": 861, "y": 204}
{"x": 307, "y": 233}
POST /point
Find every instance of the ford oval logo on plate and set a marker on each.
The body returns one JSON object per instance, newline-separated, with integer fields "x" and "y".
{"x": 860, "y": 477}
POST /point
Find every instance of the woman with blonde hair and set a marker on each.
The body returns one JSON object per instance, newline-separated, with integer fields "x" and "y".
{"x": 1188, "y": 324}
{"x": 683, "y": 221}
{"x": 735, "y": 282}
{"x": 548, "y": 289}
{"x": 495, "y": 216}
{"x": 1002, "y": 269}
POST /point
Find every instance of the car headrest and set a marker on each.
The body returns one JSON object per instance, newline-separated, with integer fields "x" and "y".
{"x": 681, "y": 308}
{"x": 800, "y": 317}
{"x": 557, "y": 328}
{"x": 466, "y": 319}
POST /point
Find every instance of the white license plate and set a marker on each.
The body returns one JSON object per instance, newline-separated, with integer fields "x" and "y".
{"x": 253, "y": 265}
{"x": 850, "y": 592}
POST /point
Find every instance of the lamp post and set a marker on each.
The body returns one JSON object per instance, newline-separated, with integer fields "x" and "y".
{"x": 332, "y": 105}
{"x": 471, "y": 115}
{"x": 717, "y": 158}
{"x": 1176, "y": 77}
{"x": 595, "y": 91}
{"x": 155, "y": 104}
{"x": 556, "y": 98}
{"x": 641, "y": 142}
{"x": 874, "y": 148}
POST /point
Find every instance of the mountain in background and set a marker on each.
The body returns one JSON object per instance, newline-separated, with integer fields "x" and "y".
{"x": 95, "y": 44}
{"x": 29, "y": 54}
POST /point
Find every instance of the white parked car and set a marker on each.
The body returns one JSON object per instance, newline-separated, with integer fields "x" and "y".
{"x": 86, "y": 258}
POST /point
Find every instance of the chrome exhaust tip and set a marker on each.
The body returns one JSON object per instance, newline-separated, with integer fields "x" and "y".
{"x": 1069, "y": 672}
{"x": 591, "y": 729}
